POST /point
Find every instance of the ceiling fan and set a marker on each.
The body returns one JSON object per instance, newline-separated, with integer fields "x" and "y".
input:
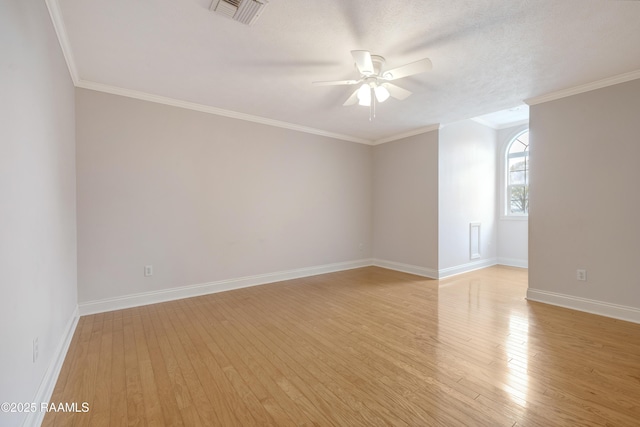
{"x": 374, "y": 81}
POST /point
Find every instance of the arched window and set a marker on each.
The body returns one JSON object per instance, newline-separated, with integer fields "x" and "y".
{"x": 517, "y": 162}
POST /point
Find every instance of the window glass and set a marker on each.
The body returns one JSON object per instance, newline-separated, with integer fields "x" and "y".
{"x": 518, "y": 175}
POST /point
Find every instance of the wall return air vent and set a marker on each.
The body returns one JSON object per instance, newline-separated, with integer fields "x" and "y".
{"x": 243, "y": 11}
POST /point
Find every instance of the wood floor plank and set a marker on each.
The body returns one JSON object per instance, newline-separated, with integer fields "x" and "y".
{"x": 287, "y": 379}
{"x": 266, "y": 332}
{"x": 100, "y": 413}
{"x": 135, "y": 398}
{"x": 152, "y": 406}
{"x": 221, "y": 352}
{"x": 259, "y": 374}
{"x": 400, "y": 377}
{"x": 118, "y": 400}
{"x": 350, "y": 374}
{"x": 215, "y": 389}
{"x": 192, "y": 382}
{"x": 368, "y": 347}
{"x": 235, "y": 411}
{"x": 362, "y": 407}
{"x": 177, "y": 403}
{"x": 161, "y": 405}
{"x": 328, "y": 391}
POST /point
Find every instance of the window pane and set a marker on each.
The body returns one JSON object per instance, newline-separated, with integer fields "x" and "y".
{"x": 518, "y": 175}
{"x": 520, "y": 144}
{"x": 519, "y": 199}
{"x": 518, "y": 170}
{"x": 517, "y": 147}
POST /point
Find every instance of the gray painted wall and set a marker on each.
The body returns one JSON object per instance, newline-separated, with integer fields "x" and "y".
{"x": 405, "y": 203}
{"x": 37, "y": 200}
{"x": 584, "y": 195}
{"x": 205, "y": 198}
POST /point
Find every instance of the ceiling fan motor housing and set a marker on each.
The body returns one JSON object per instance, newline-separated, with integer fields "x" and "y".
{"x": 378, "y": 62}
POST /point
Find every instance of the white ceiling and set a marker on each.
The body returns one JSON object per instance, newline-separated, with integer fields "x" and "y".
{"x": 487, "y": 55}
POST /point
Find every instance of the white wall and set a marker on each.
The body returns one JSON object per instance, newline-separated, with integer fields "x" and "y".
{"x": 37, "y": 201}
{"x": 467, "y": 193}
{"x": 585, "y": 200}
{"x": 405, "y": 207}
{"x": 205, "y": 198}
{"x": 513, "y": 232}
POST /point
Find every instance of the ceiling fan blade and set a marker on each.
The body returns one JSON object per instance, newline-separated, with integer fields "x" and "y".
{"x": 352, "y": 99}
{"x": 363, "y": 61}
{"x": 337, "y": 83}
{"x": 408, "y": 70}
{"x": 396, "y": 91}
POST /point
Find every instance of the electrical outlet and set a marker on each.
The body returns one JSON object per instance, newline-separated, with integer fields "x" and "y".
{"x": 148, "y": 270}
{"x": 35, "y": 350}
{"x": 581, "y": 274}
{"x": 361, "y": 246}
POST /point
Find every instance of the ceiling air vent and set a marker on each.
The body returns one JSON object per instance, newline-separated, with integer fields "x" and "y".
{"x": 244, "y": 11}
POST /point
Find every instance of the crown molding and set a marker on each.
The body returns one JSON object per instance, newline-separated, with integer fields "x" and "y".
{"x": 58, "y": 25}
{"x": 484, "y": 122}
{"x": 500, "y": 126}
{"x": 407, "y": 134}
{"x": 610, "y": 81}
{"x": 55, "y": 13}
{"x": 513, "y": 124}
{"x": 144, "y": 96}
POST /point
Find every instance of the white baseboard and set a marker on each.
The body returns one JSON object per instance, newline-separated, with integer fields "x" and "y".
{"x": 435, "y": 274}
{"x": 53, "y": 371}
{"x": 406, "y": 268}
{"x": 514, "y": 262}
{"x": 464, "y": 268}
{"x": 615, "y": 311}
{"x": 146, "y": 298}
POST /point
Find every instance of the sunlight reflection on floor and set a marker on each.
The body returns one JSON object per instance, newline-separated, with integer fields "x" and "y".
{"x": 516, "y": 350}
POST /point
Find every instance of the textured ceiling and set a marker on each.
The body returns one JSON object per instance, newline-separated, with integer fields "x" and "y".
{"x": 487, "y": 55}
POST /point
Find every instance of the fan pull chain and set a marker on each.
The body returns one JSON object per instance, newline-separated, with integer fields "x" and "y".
{"x": 372, "y": 108}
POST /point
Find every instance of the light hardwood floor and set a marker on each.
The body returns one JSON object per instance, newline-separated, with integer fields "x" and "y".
{"x": 363, "y": 347}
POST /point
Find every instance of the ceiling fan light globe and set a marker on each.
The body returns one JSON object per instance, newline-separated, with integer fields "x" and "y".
{"x": 364, "y": 95}
{"x": 382, "y": 94}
